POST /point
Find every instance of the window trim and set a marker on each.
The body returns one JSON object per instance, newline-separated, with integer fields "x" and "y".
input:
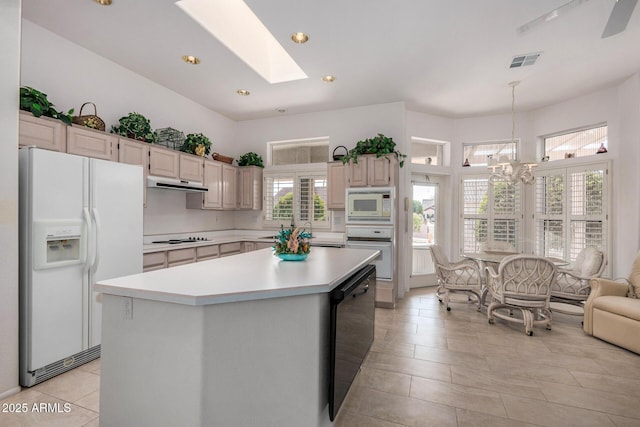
{"x": 301, "y": 142}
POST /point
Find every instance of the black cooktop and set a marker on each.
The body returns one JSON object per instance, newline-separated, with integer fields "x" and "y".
{"x": 177, "y": 241}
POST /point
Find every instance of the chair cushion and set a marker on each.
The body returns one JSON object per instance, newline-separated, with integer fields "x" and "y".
{"x": 591, "y": 263}
{"x": 634, "y": 277}
{"x": 627, "y": 307}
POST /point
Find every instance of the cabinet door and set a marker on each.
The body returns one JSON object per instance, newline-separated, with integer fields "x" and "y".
{"x": 212, "y": 199}
{"x": 135, "y": 153}
{"x": 154, "y": 261}
{"x": 336, "y": 180}
{"x": 91, "y": 143}
{"x": 191, "y": 167}
{"x": 250, "y": 186}
{"x": 163, "y": 162}
{"x": 181, "y": 256}
{"x": 207, "y": 252}
{"x": 227, "y": 249}
{"x": 229, "y": 179}
{"x": 358, "y": 172}
{"x": 42, "y": 132}
{"x": 379, "y": 171}
{"x": 248, "y": 246}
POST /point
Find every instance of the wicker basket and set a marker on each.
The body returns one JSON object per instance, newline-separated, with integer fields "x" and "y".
{"x": 90, "y": 120}
{"x": 219, "y": 157}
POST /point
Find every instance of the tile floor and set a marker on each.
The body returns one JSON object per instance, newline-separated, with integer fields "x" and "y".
{"x": 429, "y": 367}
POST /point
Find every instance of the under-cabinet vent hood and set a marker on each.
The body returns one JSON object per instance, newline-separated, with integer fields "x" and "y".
{"x": 175, "y": 184}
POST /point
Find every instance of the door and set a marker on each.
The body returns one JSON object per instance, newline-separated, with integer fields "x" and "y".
{"x": 51, "y": 193}
{"x": 424, "y": 229}
{"x": 116, "y": 209}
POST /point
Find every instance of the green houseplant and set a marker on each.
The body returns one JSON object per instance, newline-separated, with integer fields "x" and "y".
{"x": 37, "y": 103}
{"x": 379, "y": 145}
{"x": 196, "y": 143}
{"x": 250, "y": 159}
{"x": 135, "y": 126}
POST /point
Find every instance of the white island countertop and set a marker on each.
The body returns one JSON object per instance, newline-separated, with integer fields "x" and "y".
{"x": 248, "y": 276}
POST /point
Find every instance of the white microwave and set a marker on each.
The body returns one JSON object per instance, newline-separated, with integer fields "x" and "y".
{"x": 369, "y": 204}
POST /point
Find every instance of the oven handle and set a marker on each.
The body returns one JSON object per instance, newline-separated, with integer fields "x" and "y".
{"x": 379, "y": 243}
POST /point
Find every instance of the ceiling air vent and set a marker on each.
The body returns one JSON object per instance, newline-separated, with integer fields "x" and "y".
{"x": 524, "y": 60}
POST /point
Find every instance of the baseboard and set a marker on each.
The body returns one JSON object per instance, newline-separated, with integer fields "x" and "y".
{"x": 10, "y": 392}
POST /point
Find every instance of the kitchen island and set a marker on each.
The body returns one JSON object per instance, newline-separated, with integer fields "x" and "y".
{"x": 237, "y": 341}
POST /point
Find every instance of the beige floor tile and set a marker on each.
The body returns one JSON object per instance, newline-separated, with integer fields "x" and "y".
{"x": 451, "y": 357}
{"x": 43, "y": 410}
{"x": 389, "y": 382}
{"x": 93, "y": 423}
{"x": 405, "y": 410}
{"x": 610, "y": 383}
{"x": 457, "y": 396}
{"x": 349, "y": 419}
{"x": 93, "y": 366}
{"x": 425, "y": 339}
{"x": 624, "y": 422}
{"x": 552, "y": 414}
{"x": 409, "y": 366}
{"x": 90, "y": 401}
{"x": 513, "y": 367}
{"x": 71, "y": 385}
{"x": 396, "y": 348}
{"x": 597, "y": 400}
{"x": 429, "y": 323}
{"x": 468, "y": 418}
{"x": 496, "y": 382}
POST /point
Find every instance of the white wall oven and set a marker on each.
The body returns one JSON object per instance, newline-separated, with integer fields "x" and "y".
{"x": 369, "y": 205}
{"x": 374, "y": 238}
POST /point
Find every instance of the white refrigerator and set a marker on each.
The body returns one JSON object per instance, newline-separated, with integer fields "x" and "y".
{"x": 80, "y": 222}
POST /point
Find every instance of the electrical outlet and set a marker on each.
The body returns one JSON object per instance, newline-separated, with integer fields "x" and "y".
{"x": 127, "y": 308}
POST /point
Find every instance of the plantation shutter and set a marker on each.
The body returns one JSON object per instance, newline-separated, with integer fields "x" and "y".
{"x": 312, "y": 199}
{"x": 278, "y": 198}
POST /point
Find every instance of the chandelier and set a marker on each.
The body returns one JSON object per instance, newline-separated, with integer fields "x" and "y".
{"x": 504, "y": 169}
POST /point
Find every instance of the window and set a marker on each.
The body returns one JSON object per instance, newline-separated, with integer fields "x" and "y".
{"x": 580, "y": 143}
{"x": 298, "y": 195}
{"x": 490, "y": 212}
{"x": 571, "y": 210}
{"x": 300, "y": 151}
{"x": 478, "y": 154}
{"x": 426, "y": 152}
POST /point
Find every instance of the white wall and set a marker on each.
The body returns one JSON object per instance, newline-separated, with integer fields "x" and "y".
{"x": 71, "y": 75}
{"x": 10, "y": 71}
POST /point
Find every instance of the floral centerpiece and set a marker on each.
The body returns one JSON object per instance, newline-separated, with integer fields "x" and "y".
{"x": 292, "y": 244}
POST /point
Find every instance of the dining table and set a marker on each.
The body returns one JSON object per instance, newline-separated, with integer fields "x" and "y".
{"x": 496, "y": 257}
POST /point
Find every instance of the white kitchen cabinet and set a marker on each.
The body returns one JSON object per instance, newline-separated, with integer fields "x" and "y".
{"x": 135, "y": 153}
{"x": 84, "y": 141}
{"x": 248, "y": 246}
{"x": 229, "y": 183}
{"x": 372, "y": 171}
{"x": 43, "y": 132}
{"x": 181, "y": 256}
{"x": 232, "y": 248}
{"x": 154, "y": 261}
{"x": 212, "y": 199}
{"x": 263, "y": 245}
{"x": 164, "y": 162}
{"x": 336, "y": 183}
{"x": 250, "y": 187}
{"x": 191, "y": 167}
{"x": 204, "y": 253}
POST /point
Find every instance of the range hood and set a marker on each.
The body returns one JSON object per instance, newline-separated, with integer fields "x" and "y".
{"x": 175, "y": 184}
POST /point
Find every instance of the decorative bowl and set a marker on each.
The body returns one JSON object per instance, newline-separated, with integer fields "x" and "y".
{"x": 292, "y": 257}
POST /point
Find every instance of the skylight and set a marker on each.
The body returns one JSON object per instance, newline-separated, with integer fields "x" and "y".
{"x": 240, "y": 30}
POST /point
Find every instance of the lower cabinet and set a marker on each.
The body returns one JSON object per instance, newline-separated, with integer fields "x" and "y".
{"x": 204, "y": 253}
{"x": 181, "y": 256}
{"x": 154, "y": 261}
{"x": 227, "y": 249}
{"x": 158, "y": 260}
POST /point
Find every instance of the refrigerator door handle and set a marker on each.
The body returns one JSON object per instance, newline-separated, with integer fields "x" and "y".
{"x": 88, "y": 260}
{"x": 96, "y": 252}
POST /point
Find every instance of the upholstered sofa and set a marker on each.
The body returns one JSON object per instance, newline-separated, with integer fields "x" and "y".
{"x": 612, "y": 312}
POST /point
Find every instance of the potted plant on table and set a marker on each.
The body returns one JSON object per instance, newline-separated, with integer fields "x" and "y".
{"x": 196, "y": 143}
{"x": 380, "y": 145}
{"x": 292, "y": 244}
{"x": 37, "y": 103}
{"x": 250, "y": 159}
{"x": 135, "y": 126}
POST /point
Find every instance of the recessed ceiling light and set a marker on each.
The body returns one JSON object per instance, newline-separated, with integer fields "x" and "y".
{"x": 243, "y": 92}
{"x": 103, "y": 2}
{"x": 328, "y": 78}
{"x": 190, "y": 59}
{"x": 299, "y": 38}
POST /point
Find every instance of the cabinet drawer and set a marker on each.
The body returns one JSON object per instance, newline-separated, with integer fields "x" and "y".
{"x": 181, "y": 256}
{"x": 263, "y": 245}
{"x": 154, "y": 261}
{"x": 42, "y": 132}
{"x": 248, "y": 246}
{"x": 207, "y": 252}
{"x": 227, "y": 249}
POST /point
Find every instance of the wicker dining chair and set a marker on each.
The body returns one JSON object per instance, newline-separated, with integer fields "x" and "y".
{"x": 522, "y": 282}
{"x": 453, "y": 277}
{"x": 572, "y": 284}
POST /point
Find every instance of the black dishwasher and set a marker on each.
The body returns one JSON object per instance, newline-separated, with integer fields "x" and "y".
{"x": 351, "y": 332}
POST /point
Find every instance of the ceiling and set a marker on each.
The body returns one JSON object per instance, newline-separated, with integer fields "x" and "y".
{"x": 443, "y": 57}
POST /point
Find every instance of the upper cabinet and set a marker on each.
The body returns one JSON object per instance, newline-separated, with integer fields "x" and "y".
{"x": 91, "y": 143}
{"x": 372, "y": 171}
{"x": 133, "y": 152}
{"x": 336, "y": 184}
{"x": 43, "y": 132}
{"x": 212, "y": 199}
{"x": 191, "y": 167}
{"x": 250, "y": 187}
{"x": 229, "y": 189}
{"x": 164, "y": 162}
